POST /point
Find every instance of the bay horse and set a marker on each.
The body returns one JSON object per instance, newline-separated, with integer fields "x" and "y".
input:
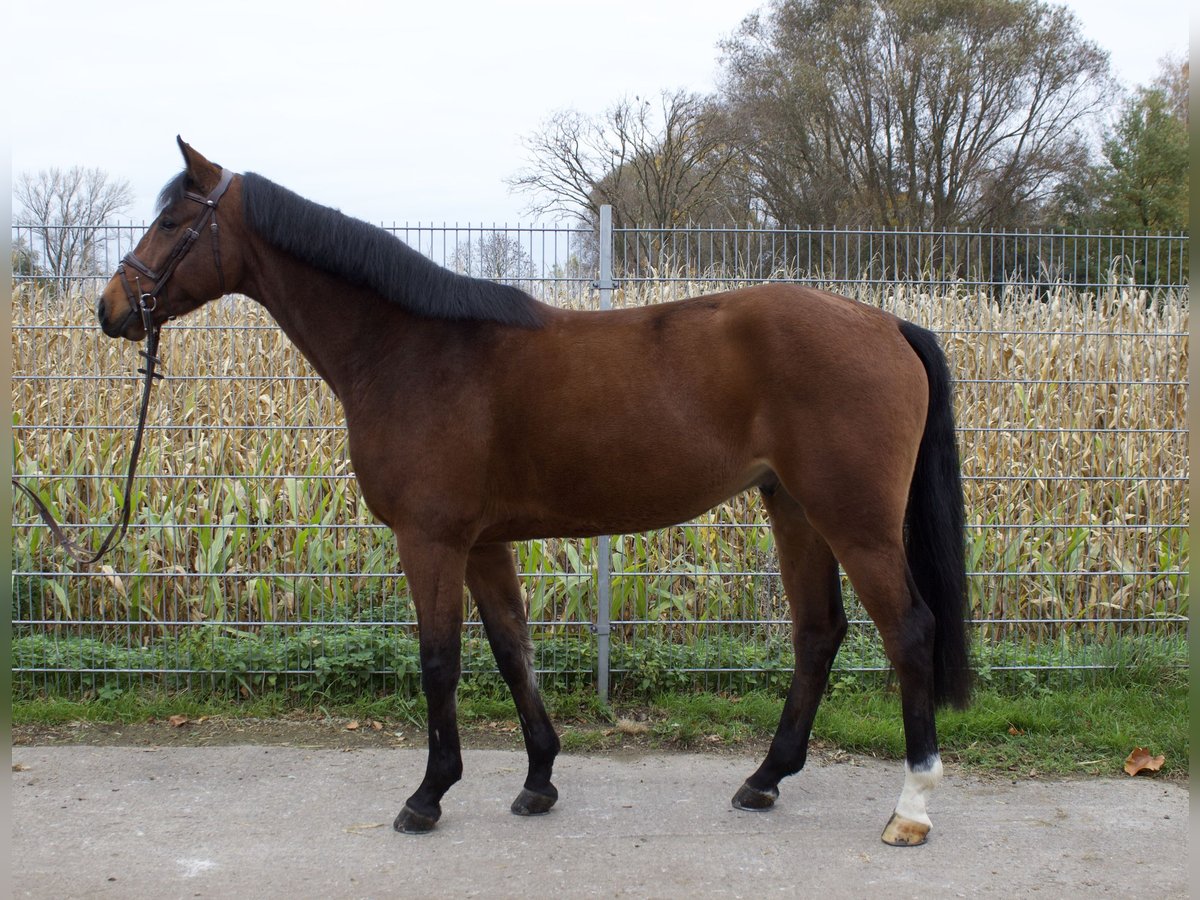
{"x": 478, "y": 416}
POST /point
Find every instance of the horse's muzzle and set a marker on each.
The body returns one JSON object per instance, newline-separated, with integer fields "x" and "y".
{"x": 117, "y": 329}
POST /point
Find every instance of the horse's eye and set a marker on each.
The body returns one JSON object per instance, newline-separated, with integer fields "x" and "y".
{"x": 167, "y": 225}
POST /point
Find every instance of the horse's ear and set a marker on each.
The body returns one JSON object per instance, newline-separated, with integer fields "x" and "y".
{"x": 201, "y": 172}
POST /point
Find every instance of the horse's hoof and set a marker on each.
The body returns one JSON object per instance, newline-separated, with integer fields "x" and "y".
{"x": 412, "y": 822}
{"x": 902, "y": 832}
{"x": 531, "y": 803}
{"x": 753, "y": 799}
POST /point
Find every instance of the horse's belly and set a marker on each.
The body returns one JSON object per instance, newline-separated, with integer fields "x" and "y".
{"x": 652, "y": 497}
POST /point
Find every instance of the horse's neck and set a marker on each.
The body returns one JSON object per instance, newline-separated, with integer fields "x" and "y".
{"x": 337, "y": 326}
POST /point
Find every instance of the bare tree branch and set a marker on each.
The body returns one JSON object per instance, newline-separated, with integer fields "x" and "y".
{"x": 656, "y": 163}
{"x": 64, "y": 210}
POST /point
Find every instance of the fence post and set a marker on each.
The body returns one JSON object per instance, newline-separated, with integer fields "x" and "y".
{"x": 603, "y": 628}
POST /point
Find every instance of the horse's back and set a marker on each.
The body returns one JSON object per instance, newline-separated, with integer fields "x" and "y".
{"x": 730, "y": 356}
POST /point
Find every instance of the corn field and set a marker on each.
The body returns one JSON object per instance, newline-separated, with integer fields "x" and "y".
{"x": 1071, "y": 406}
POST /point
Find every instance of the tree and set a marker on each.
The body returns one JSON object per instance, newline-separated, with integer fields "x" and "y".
{"x": 656, "y": 164}
{"x": 1141, "y": 181}
{"x": 922, "y": 113}
{"x": 1144, "y": 181}
{"x": 64, "y": 211}
{"x": 496, "y": 256}
{"x": 25, "y": 264}
{"x": 1174, "y": 80}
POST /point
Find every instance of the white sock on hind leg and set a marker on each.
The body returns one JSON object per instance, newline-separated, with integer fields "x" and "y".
{"x": 919, "y": 781}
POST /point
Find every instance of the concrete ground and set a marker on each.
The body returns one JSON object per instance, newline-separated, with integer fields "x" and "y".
{"x": 265, "y": 822}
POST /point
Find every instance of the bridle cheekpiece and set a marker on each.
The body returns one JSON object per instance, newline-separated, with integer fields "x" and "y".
{"x": 145, "y": 301}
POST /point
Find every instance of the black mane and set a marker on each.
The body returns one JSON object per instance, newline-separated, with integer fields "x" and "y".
{"x": 371, "y": 257}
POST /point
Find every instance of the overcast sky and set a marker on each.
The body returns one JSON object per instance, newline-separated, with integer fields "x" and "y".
{"x": 391, "y": 111}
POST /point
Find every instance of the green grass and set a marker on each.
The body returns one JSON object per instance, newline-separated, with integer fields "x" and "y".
{"x": 1086, "y": 729}
{"x": 129, "y": 706}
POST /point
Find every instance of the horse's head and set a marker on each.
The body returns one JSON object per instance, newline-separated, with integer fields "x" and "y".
{"x": 189, "y": 256}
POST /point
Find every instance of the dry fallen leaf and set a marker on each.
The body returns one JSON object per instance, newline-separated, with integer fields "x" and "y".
{"x": 377, "y": 726}
{"x": 20, "y": 767}
{"x": 177, "y": 721}
{"x": 1140, "y": 760}
{"x": 352, "y": 726}
{"x": 1014, "y": 730}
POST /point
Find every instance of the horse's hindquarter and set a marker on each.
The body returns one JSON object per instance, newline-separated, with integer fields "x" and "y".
{"x": 631, "y": 420}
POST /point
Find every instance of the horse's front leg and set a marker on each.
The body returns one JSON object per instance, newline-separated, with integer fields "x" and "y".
{"x": 435, "y": 577}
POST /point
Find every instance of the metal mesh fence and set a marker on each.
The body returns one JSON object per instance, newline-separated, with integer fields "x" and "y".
{"x": 253, "y": 562}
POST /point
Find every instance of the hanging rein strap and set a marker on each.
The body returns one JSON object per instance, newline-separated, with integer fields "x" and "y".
{"x": 145, "y": 303}
{"x": 118, "y": 530}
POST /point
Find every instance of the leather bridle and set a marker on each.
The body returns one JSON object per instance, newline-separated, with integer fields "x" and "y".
{"x": 144, "y": 302}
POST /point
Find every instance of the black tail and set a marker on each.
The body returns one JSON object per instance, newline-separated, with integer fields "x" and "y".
{"x": 935, "y": 519}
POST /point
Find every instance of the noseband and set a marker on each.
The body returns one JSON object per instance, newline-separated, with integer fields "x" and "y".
{"x": 145, "y": 301}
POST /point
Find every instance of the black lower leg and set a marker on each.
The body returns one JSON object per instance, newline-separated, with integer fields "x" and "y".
{"x": 912, "y": 657}
{"x": 541, "y": 741}
{"x": 439, "y": 679}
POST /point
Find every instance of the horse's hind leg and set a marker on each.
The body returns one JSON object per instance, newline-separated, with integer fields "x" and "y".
{"x": 810, "y": 578}
{"x": 885, "y": 586}
{"x": 492, "y": 579}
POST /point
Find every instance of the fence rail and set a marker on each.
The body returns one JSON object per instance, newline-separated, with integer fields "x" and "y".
{"x": 252, "y": 558}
